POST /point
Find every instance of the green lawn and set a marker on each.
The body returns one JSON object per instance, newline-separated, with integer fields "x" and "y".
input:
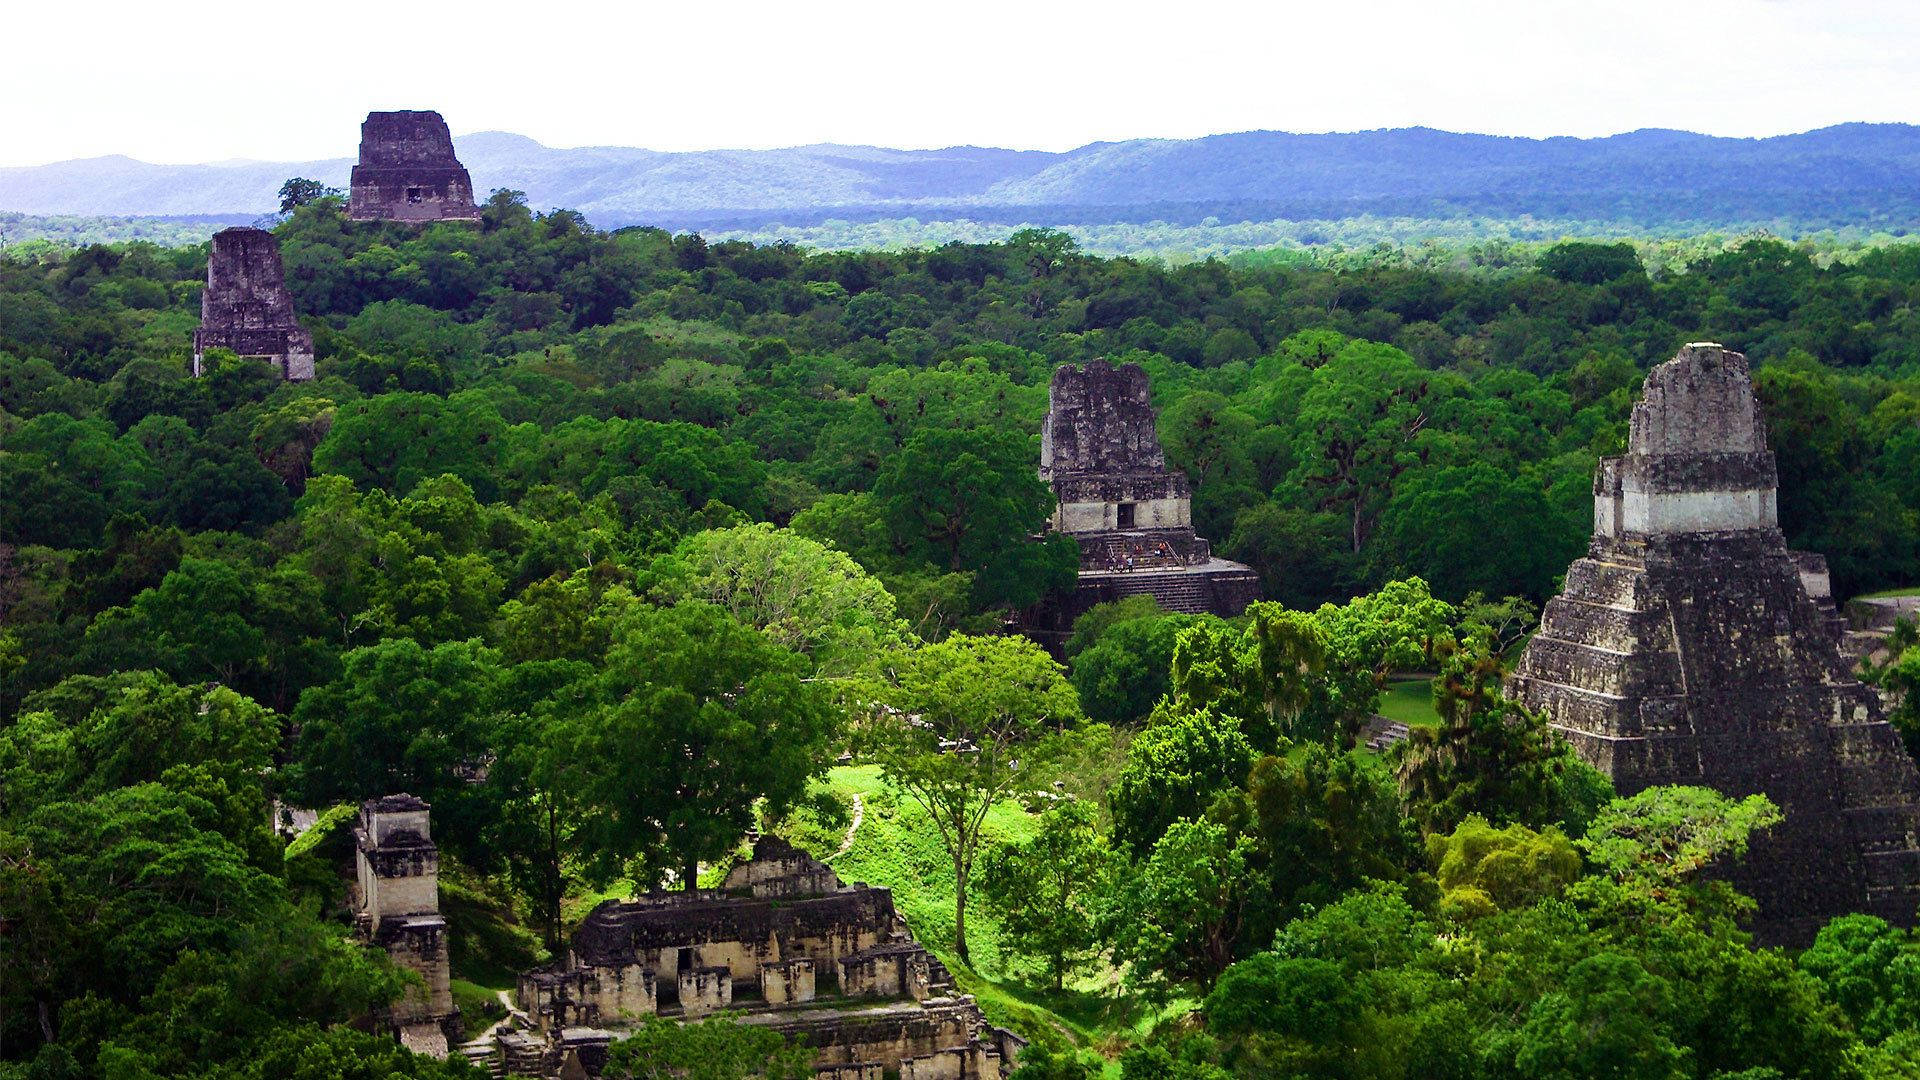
{"x": 899, "y": 848}
{"x": 479, "y": 1006}
{"x": 1910, "y": 590}
{"x": 1410, "y": 701}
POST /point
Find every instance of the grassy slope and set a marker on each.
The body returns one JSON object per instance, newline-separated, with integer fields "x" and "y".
{"x": 898, "y": 847}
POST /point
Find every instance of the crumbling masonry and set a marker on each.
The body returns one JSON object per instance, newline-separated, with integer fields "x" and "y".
{"x": 398, "y": 881}
{"x": 784, "y": 942}
{"x": 408, "y": 171}
{"x": 1686, "y": 649}
{"x": 246, "y": 306}
{"x": 1131, "y": 515}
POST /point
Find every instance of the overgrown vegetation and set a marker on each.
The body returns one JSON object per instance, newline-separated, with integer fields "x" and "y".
{"x": 568, "y": 512}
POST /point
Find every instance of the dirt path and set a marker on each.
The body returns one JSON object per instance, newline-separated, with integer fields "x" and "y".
{"x": 859, "y": 815}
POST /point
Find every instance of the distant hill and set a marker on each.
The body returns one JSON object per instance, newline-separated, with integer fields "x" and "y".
{"x": 1849, "y": 175}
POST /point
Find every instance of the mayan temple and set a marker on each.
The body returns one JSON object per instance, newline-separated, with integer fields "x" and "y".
{"x": 1685, "y": 649}
{"x": 408, "y": 171}
{"x": 784, "y": 944}
{"x": 1131, "y": 515}
{"x": 246, "y": 306}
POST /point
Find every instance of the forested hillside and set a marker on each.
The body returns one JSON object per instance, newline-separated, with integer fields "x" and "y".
{"x": 568, "y": 509}
{"x": 1859, "y": 176}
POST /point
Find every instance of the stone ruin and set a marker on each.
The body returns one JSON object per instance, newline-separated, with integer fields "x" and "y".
{"x": 1131, "y": 515}
{"x": 398, "y": 910}
{"x": 1690, "y": 646}
{"x": 784, "y": 943}
{"x": 408, "y": 172}
{"x": 246, "y": 306}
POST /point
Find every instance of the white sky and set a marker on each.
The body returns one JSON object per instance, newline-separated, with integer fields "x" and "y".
{"x": 206, "y": 80}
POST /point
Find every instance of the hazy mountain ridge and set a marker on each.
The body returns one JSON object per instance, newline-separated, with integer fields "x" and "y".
{"x": 1851, "y": 173}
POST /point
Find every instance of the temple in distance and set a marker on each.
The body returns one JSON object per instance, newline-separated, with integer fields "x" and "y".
{"x": 408, "y": 172}
{"x": 246, "y": 306}
{"x": 1130, "y": 514}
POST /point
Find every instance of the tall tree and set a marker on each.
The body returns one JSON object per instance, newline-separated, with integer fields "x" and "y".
{"x": 1044, "y": 889}
{"x": 1360, "y": 425}
{"x": 699, "y": 719}
{"x": 965, "y": 720}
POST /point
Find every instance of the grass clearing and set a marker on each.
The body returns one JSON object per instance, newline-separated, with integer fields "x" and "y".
{"x": 479, "y": 1006}
{"x": 1410, "y": 701}
{"x": 897, "y": 846}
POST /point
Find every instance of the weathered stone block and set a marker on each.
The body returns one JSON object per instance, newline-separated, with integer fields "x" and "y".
{"x": 787, "y": 982}
{"x": 705, "y": 989}
{"x": 398, "y": 911}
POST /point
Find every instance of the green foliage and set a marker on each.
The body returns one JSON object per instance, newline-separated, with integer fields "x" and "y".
{"x": 694, "y": 719}
{"x": 966, "y": 719}
{"x": 1044, "y": 890}
{"x": 1662, "y": 837}
{"x": 1179, "y": 912}
{"x": 1871, "y": 971}
{"x": 1127, "y": 668}
{"x": 966, "y": 501}
{"x": 518, "y": 550}
{"x": 717, "y": 1048}
{"x": 1175, "y": 766}
{"x": 1482, "y": 870}
{"x": 1491, "y": 757}
{"x": 802, "y": 594}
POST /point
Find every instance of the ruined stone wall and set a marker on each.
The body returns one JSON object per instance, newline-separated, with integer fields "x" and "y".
{"x": 246, "y": 307}
{"x": 733, "y": 932}
{"x": 588, "y": 996}
{"x": 779, "y": 870}
{"x": 887, "y": 1037}
{"x": 705, "y": 989}
{"x": 788, "y": 982}
{"x": 419, "y": 945}
{"x": 1697, "y": 458}
{"x": 902, "y": 970}
{"x": 1100, "y": 419}
{"x": 690, "y": 953}
{"x": 1099, "y": 450}
{"x": 408, "y": 171}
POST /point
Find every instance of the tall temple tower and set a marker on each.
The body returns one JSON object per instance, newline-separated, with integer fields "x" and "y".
{"x": 408, "y": 171}
{"x": 1685, "y": 649}
{"x": 1131, "y": 515}
{"x": 246, "y": 306}
{"x": 398, "y": 870}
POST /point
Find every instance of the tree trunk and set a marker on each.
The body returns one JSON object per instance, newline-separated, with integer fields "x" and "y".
{"x": 960, "y": 907}
{"x": 693, "y": 873}
{"x": 1356, "y": 523}
{"x": 554, "y": 885}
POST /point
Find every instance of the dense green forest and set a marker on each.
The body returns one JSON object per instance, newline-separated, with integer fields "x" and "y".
{"x": 566, "y": 509}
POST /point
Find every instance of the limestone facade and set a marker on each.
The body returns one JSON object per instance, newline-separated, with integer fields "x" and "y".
{"x": 1690, "y": 646}
{"x": 246, "y": 306}
{"x": 398, "y": 910}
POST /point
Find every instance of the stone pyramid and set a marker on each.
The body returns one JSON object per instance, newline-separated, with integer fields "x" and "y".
{"x": 1684, "y": 649}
